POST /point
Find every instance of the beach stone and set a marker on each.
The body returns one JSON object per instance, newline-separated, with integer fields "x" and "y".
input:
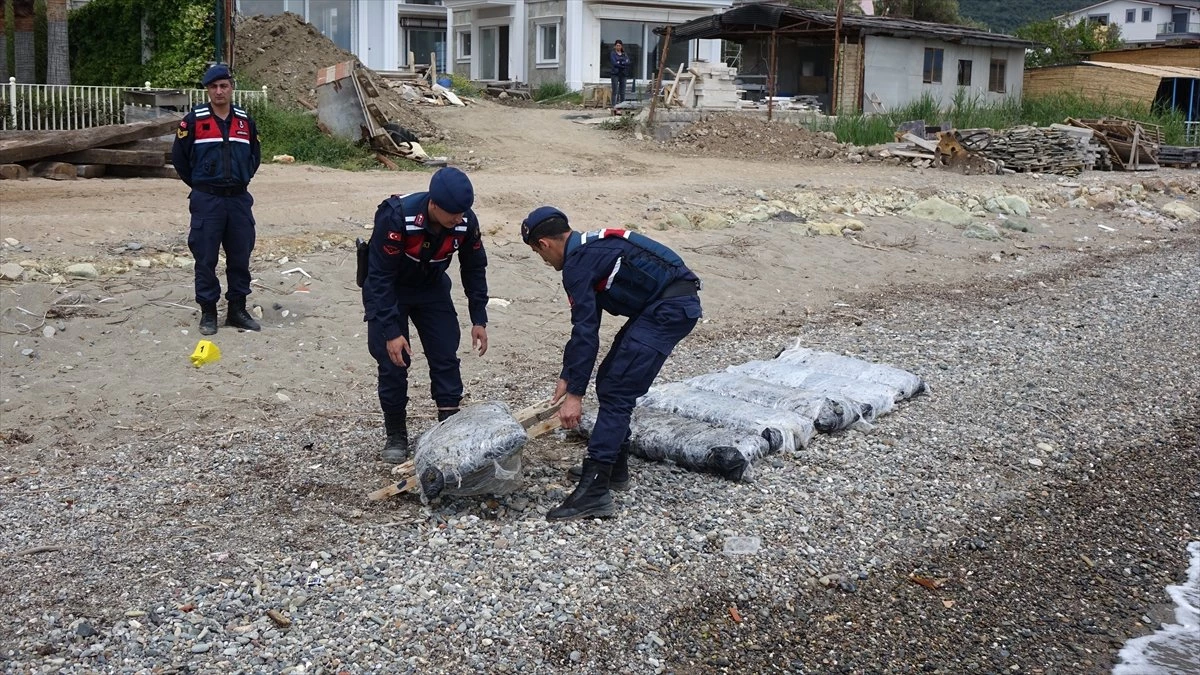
{"x": 83, "y": 271}
{"x": 679, "y": 221}
{"x": 1017, "y": 223}
{"x": 1178, "y": 209}
{"x": 939, "y": 210}
{"x": 1010, "y": 205}
{"x": 84, "y": 629}
{"x": 985, "y": 231}
{"x": 11, "y": 271}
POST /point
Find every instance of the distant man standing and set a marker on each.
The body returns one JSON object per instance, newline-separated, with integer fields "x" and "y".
{"x": 216, "y": 153}
{"x": 406, "y": 278}
{"x": 625, "y": 274}
{"x": 618, "y": 61}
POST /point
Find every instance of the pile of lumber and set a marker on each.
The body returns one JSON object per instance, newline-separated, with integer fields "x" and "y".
{"x": 509, "y": 89}
{"x": 1034, "y": 149}
{"x": 1132, "y": 144}
{"x": 1179, "y": 156}
{"x": 136, "y": 150}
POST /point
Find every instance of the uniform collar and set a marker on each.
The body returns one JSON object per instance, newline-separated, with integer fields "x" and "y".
{"x": 572, "y": 243}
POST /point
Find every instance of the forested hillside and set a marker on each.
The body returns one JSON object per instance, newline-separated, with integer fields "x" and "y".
{"x": 1003, "y": 16}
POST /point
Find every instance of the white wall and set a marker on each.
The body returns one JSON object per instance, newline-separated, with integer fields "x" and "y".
{"x": 894, "y": 69}
{"x": 1139, "y": 30}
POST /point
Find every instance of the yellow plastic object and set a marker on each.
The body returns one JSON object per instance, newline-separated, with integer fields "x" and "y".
{"x": 206, "y": 352}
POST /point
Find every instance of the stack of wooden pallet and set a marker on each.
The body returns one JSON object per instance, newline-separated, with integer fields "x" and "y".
{"x": 1132, "y": 144}
{"x": 1178, "y": 156}
{"x": 137, "y": 150}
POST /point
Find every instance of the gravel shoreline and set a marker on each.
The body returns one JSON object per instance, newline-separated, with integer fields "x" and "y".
{"x": 1051, "y": 480}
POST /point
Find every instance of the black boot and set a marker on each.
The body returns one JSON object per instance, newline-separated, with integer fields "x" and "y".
{"x": 591, "y": 498}
{"x": 396, "y": 449}
{"x": 208, "y": 319}
{"x": 619, "y": 480}
{"x": 446, "y": 413}
{"x": 238, "y": 317}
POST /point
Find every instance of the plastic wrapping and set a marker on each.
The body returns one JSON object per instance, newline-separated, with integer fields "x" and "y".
{"x": 874, "y": 399}
{"x": 475, "y": 452}
{"x": 658, "y": 436}
{"x": 905, "y": 383}
{"x": 829, "y": 412}
{"x": 784, "y": 430}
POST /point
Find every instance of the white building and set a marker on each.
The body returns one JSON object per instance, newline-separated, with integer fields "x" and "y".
{"x": 534, "y": 41}
{"x": 1142, "y": 21}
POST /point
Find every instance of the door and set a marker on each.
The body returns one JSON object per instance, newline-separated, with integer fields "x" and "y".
{"x": 488, "y": 44}
{"x": 502, "y": 53}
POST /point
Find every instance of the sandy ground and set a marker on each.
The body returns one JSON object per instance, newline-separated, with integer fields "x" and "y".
{"x": 115, "y": 367}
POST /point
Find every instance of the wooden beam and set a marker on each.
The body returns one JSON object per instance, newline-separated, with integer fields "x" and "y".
{"x": 63, "y": 142}
{"x": 107, "y": 156}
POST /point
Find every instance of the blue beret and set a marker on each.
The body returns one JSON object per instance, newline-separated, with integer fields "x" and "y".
{"x": 537, "y": 217}
{"x": 451, "y": 190}
{"x": 217, "y": 72}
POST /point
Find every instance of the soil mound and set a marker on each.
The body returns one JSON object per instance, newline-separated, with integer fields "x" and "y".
{"x": 285, "y": 53}
{"x": 751, "y": 137}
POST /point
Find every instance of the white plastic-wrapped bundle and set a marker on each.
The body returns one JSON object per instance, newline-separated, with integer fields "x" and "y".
{"x": 874, "y": 399}
{"x": 658, "y": 436}
{"x": 905, "y": 383}
{"x": 829, "y": 412}
{"x": 785, "y": 430}
{"x": 476, "y": 452}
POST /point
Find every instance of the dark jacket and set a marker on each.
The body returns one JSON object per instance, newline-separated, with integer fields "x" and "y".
{"x": 406, "y": 255}
{"x": 619, "y": 63}
{"x": 217, "y": 153}
{"x": 594, "y": 281}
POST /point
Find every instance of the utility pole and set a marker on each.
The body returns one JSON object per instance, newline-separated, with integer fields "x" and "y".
{"x": 837, "y": 60}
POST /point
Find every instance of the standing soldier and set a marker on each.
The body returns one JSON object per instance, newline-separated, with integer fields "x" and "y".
{"x": 406, "y": 278}
{"x": 625, "y": 274}
{"x": 216, "y": 153}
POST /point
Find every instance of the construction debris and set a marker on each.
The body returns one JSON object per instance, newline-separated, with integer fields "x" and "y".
{"x": 137, "y": 149}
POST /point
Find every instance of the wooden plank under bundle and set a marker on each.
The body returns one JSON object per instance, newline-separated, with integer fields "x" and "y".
{"x": 18, "y": 149}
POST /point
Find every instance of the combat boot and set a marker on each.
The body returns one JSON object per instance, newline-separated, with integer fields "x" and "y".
{"x": 591, "y": 498}
{"x": 395, "y": 451}
{"x": 619, "y": 480}
{"x": 238, "y": 317}
{"x": 208, "y": 319}
{"x": 446, "y": 413}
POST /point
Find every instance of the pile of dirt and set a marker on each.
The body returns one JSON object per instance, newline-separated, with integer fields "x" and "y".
{"x": 284, "y": 53}
{"x": 752, "y": 137}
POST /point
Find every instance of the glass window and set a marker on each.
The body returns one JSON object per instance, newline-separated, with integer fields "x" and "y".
{"x": 1147, "y": 14}
{"x": 932, "y": 73}
{"x": 423, "y": 41}
{"x": 1130, "y": 15}
{"x": 264, "y": 7}
{"x": 333, "y": 18}
{"x": 1099, "y": 19}
{"x": 964, "y": 73}
{"x": 642, "y": 46}
{"x": 997, "y": 73}
{"x": 547, "y": 43}
{"x": 464, "y": 45}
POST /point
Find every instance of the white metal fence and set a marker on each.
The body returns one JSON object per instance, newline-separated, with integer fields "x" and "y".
{"x": 57, "y": 107}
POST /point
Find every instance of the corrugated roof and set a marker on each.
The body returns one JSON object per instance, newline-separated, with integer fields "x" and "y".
{"x": 762, "y": 17}
{"x": 1160, "y": 71}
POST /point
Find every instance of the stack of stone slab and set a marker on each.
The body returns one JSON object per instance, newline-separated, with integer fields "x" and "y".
{"x": 714, "y": 86}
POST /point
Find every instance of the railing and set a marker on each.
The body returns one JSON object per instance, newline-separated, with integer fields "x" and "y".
{"x": 1178, "y": 28}
{"x": 59, "y": 107}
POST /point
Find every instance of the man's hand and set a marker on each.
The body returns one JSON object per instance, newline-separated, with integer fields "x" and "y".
{"x": 397, "y": 348}
{"x": 572, "y": 406}
{"x": 479, "y": 339}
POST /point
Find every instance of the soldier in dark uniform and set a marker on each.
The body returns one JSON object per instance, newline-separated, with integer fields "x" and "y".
{"x": 216, "y": 153}
{"x": 625, "y": 274}
{"x": 408, "y": 257}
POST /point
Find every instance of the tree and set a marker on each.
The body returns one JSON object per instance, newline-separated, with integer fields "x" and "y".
{"x": 1061, "y": 43}
{"x": 939, "y": 11}
{"x": 58, "y": 54}
{"x": 4, "y": 41}
{"x": 850, "y": 7}
{"x": 23, "y": 51}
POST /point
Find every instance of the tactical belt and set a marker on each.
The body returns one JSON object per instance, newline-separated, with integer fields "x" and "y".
{"x": 220, "y": 191}
{"x": 679, "y": 288}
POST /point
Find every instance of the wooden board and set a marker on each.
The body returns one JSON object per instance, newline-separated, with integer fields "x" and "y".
{"x": 142, "y": 171}
{"x": 108, "y": 156}
{"x": 62, "y": 142}
{"x": 13, "y": 172}
{"x": 53, "y": 170}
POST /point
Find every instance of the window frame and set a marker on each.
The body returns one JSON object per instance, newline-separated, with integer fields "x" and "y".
{"x": 540, "y": 25}
{"x": 1147, "y": 14}
{"x": 462, "y": 55}
{"x": 970, "y": 68}
{"x": 1131, "y": 15}
{"x": 1000, "y": 65}
{"x": 932, "y": 68}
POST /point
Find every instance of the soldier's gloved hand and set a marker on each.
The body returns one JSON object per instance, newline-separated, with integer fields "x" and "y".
{"x": 399, "y": 351}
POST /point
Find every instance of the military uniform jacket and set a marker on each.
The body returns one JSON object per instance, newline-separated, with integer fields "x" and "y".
{"x": 407, "y": 255}
{"x": 216, "y": 153}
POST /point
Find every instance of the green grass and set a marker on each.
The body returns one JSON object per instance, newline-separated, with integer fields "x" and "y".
{"x": 969, "y": 112}
{"x": 287, "y": 131}
{"x": 463, "y": 86}
{"x": 551, "y": 90}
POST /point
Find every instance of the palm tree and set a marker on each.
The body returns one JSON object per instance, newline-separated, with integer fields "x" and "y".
{"x": 58, "y": 56}
{"x": 3, "y": 41}
{"x": 23, "y": 40}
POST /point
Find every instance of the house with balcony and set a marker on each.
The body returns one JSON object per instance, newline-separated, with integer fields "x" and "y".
{"x": 533, "y": 41}
{"x": 1144, "y": 21}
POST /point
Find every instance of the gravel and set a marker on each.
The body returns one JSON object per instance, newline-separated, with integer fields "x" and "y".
{"x": 1041, "y": 496}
